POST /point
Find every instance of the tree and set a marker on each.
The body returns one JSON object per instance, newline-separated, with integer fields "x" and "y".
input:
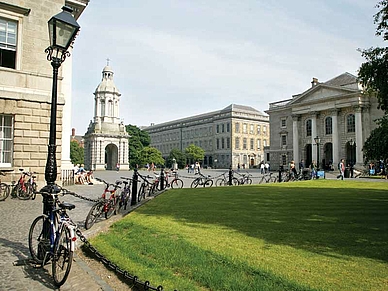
{"x": 373, "y": 75}
{"x": 137, "y": 141}
{"x": 151, "y": 155}
{"x": 76, "y": 153}
{"x": 194, "y": 153}
{"x": 179, "y": 156}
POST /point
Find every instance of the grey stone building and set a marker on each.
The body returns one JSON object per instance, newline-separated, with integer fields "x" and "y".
{"x": 106, "y": 141}
{"x": 231, "y": 136}
{"x": 336, "y": 111}
{"x": 26, "y": 84}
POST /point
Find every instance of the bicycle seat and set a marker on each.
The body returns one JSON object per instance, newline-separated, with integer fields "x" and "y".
{"x": 66, "y": 205}
{"x": 125, "y": 183}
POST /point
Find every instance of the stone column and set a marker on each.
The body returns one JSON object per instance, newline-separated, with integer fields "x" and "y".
{"x": 313, "y": 135}
{"x": 295, "y": 137}
{"x": 335, "y": 138}
{"x": 359, "y": 139}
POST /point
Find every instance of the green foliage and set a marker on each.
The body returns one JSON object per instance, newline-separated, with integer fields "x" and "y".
{"x": 137, "y": 141}
{"x": 376, "y": 146}
{"x": 179, "y": 157}
{"x": 150, "y": 155}
{"x": 313, "y": 235}
{"x": 194, "y": 153}
{"x": 76, "y": 153}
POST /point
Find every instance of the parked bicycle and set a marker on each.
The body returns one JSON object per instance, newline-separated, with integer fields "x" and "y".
{"x": 244, "y": 179}
{"x": 4, "y": 188}
{"x": 125, "y": 194}
{"x": 146, "y": 187}
{"x": 267, "y": 178}
{"x": 106, "y": 204}
{"x": 52, "y": 237}
{"x": 26, "y": 186}
{"x": 225, "y": 180}
{"x": 175, "y": 183}
{"x": 202, "y": 180}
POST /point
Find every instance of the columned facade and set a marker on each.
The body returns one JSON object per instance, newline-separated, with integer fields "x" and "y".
{"x": 337, "y": 111}
{"x": 106, "y": 141}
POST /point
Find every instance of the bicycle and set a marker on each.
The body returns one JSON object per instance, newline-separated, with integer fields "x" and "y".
{"x": 125, "y": 195}
{"x": 105, "y": 205}
{"x": 26, "y": 186}
{"x": 225, "y": 180}
{"x": 202, "y": 180}
{"x": 175, "y": 183}
{"x": 267, "y": 178}
{"x": 145, "y": 187}
{"x": 52, "y": 237}
{"x": 4, "y": 188}
{"x": 245, "y": 179}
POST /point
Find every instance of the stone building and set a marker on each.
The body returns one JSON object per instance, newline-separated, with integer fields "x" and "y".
{"x": 234, "y": 135}
{"x": 106, "y": 141}
{"x": 336, "y": 111}
{"x": 26, "y": 84}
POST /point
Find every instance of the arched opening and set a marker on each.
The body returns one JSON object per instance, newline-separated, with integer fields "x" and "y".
{"x": 350, "y": 153}
{"x": 111, "y": 156}
{"x": 327, "y": 160}
{"x": 308, "y": 155}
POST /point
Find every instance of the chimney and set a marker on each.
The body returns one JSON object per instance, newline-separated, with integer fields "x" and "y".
{"x": 73, "y": 132}
{"x": 314, "y": 82}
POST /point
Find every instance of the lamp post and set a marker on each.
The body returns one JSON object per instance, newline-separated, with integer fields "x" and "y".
{"x": 351, "y": 143}
{"x": 63, "y": 29}
{"x": 317, "y": 142}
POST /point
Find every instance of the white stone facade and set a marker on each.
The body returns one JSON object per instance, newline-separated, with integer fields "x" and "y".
{"x": 26, "y": 86}
{"x": 231, "y": 136}
{"x": 336, "y": 111}
{"x": 106, "y": 141}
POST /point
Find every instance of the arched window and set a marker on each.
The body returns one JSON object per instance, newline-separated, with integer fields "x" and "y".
{"x": 328, "y": 125}
{"x": 308, "y": 127}
{"x": 351, "y": 123}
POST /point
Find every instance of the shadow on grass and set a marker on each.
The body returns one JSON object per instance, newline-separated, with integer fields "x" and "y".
{"x": 330, "y": 221}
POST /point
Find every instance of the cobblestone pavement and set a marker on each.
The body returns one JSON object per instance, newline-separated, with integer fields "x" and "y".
{"x": 16, "y": 217}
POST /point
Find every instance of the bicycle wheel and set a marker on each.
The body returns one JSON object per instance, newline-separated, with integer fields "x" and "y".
{"x": 63, "y": 257}
{"x": 93, "y": 214}
{"x": 4, "y": 191}
{"x": 249, "y": 181}
{"x": 195, "y": 183}
{"x": 33, "y": 190}
{"x": 220, "y": 182}
{"x": 141, "y": 193}
{"x": 208, "y": 183}
{"x": 23, "y": 193}
{"x": 235, "y": 181}
{"x": 111, "y": 208}
{"x": 176, "y": 184}
{"x": 39, "y": 239}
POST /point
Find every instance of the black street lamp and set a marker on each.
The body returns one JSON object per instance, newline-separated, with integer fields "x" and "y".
{"x": 63, "y": 29}
{"x": 317, "y": 142}
{"x": 351, "y": 143}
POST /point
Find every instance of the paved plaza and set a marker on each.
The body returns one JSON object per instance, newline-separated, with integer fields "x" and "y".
{"x": 16, "y": 273}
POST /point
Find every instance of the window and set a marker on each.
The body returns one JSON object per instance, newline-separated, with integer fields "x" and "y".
{"x": 264, "y": 130}
{"x": 252, "y": 144}
{"x": 284, "y": 140}
{"x": 265, "y": 142}
{"x": 222, "y": 143}
{"x": 237, "y": 143}
{"x": 351, "y": 123}
{"x": 258, "y": 129}
{"x": 329, "y": 125}
{"x": 284, "y": 160}
{"x": 102, "y": 107}
{"x": 244, "y": 143}
{"x": 218, "y": 128}
{"x": 218, "y": 143}
{"x": 8, "y": 39}
{"x": 227, "y": 127}
{"x": 245, "y": 128}
{"x": 237, "y": 127}
{"x": 283, "y": 123}
{"x": 251, "y": 129}
{"x": 308, "y": 127}
{"x": 228, "y": 143}
{"x": 258, "y": 144}
{"x": 223, "y": 128}
{"x": 6, "y": 140}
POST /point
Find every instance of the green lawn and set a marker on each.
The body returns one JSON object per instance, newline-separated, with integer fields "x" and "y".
{"x": 313, "y": 235}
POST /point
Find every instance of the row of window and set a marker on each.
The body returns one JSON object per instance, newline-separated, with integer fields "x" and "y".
{"x": 259, "y": 128}
{"x": 251, "y": 143}
{"x": 350, "y": 125}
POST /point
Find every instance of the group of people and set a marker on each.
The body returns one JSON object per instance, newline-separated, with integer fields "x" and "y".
{"x": 194, "y": 168}
{"x": 81, "y": 176}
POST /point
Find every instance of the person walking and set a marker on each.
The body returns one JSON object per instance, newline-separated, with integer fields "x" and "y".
{"x": 341, "y": 168}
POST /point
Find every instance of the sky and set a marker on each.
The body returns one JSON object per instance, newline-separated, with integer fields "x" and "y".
{"x": 178, "y": 58}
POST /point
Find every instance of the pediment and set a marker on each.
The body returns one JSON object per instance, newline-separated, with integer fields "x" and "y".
{"x": 320, "y": 92}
